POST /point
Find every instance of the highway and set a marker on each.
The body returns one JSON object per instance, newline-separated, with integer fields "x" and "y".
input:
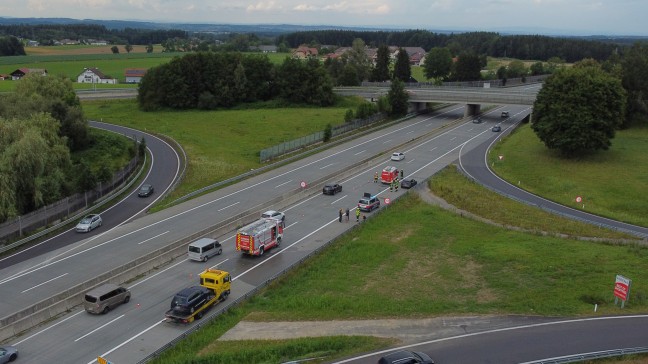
{"x": 532, "y": 342}
{"x": 474, "y": 163}
{"x": 165, "y": 169}
{"x": 131, "y": 332}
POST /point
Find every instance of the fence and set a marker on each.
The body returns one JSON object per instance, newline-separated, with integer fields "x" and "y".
{"x": 296, "y": 144}
{"x": 478, "y": 84}
{"x": 23, "y": 225}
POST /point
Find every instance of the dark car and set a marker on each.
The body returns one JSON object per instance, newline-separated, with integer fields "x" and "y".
{"x": 190, "y": 299}
{"x": 408, "y": 183}
{"x": 368, "y": 202}
{"x": 406, "y": 357}
{"x": 497, "y": 128}
{"x": 332, "y": 189}
{"x": 145, "y": 191}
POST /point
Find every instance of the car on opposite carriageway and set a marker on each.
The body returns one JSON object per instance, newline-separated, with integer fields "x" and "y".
{"x": 331, "y": 188}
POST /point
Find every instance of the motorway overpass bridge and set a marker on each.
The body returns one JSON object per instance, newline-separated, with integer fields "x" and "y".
{"x": 473, "y": 97}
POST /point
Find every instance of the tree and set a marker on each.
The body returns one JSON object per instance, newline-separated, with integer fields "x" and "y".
{"x": 33, "y": 161}
{"x": 537, "y": 69}
{"x": 402, "y": 70}
{"x": 578, "y": 110}
{"x": 554, "y": 64}
{"x": 348, "y": 116}
{"x": 11, "y": 46}
{"x": 438, "y": 63}
{"x": 114, "y": 49}
{"x": 357, "y": 57}
{"x": 515, "y": 69}
{"x": 467, "y": 68}
{"x": 149, "y": 48}
{"x": 54, "y": 95}
{"x": 381, "y": 71}
{"x": 128, "y": 47}
{"x": 328, "y": 132}
{"x": 635, "y": 81}
{"x": 397, "y": 97}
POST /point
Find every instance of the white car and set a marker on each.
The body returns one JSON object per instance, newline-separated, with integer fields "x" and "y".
{"x": 89, "y": 223}
{"x": 275, "y": 215}
{"x": 398, "y": 156}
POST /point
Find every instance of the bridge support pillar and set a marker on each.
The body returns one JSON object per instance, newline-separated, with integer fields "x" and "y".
{"x": 416, "y": 106}
{"x": 472, "y": 109}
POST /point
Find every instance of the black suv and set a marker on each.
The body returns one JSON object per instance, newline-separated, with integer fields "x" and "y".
{"x": 406, "y": 357}
{"x": 332, "y": 189}
{"x": 190, "y": 299}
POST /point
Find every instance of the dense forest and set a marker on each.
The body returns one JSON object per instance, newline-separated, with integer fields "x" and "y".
{"x": 11, "y": 46}
{"x": 208, "y": 80}
{"x": 47, "y": 34}
{"x": 484, "y": 43}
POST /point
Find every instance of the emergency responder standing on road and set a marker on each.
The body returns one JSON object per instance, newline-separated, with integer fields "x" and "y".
{"x": 391, "y": 186}
{"x": 376, "y": 177}
{"x": 402, "y": 174}
{"x": 396, "y": 186}
{"x": 357, "y": 215}
{"x": 346, "y": 214}
{"x": 340, "y": 218}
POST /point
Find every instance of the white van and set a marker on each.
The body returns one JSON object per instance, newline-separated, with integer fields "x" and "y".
{"x": 203, "y": 249}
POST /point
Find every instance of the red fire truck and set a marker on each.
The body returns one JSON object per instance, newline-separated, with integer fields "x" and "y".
{"x": 388, "y": 174}
{"x": 259, "y": 236}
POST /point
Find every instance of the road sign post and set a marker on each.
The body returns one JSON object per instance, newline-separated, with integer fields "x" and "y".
{"x": 621, "y": 289}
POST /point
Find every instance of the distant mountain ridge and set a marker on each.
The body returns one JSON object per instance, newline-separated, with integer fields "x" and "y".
{"x": 277, "y": 29}
{"x": 190, "y": 27}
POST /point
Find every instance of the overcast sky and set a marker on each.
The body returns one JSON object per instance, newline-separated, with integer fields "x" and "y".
{"x": 578, "y": 17}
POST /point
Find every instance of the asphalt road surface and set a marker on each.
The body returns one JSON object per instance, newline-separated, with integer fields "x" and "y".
{"x": 164, "y": 171}
{"x": 131, "y": 332}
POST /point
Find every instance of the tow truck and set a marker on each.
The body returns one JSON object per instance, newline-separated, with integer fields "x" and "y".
{"x": 192, "y": 303}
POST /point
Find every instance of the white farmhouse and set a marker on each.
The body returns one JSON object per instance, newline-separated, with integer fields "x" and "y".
{"x": 93, "y": 75}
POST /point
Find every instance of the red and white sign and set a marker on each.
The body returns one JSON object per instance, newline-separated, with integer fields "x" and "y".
{"x": 302, "y": 184}
{"x": 501, "y": 157}
{"x": 622, "y": 287}
{"x": 387, "y": 200}
{"x": 579, "y": 199}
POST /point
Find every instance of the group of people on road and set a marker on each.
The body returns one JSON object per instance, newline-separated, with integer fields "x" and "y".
{"x": 344, "y": 214}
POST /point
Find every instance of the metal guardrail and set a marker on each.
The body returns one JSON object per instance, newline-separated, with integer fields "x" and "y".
{"x": 276, "y": 164}
{"x": 102, "y": 201}
{"x": 590, "y": 356}
{"x": 254, "y": 291}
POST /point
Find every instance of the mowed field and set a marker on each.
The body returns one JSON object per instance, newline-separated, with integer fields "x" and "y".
{"x": 70, "y": 61}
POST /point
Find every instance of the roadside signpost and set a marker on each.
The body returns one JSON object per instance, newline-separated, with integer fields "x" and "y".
{"x": 621, "y": 289}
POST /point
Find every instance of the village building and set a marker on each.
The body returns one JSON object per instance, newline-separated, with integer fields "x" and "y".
{"x": 22, "y": 72}
{"x": 94, "y": 75}
{"x": 134, "y": 75}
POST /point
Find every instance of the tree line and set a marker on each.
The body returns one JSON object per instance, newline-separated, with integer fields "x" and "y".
{"x": 46, "y": 148}
{"x": 48, "y": 34}
{"x": 492, "y": 44}
{"x": 11, "y": 46}
{"x": 210, "y": 80}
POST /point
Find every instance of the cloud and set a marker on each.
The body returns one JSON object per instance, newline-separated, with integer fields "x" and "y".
{"x": 264, "y": 6}
{"x": 356, "y": 7}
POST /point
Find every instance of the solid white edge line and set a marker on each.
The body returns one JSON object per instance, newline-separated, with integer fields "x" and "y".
{"x": 127, "y": 341}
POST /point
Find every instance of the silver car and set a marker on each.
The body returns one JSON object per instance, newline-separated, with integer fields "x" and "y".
{"x": 89, "y": 223}
{"x": 274, "y": 215}
{"x": 8, "y": 354}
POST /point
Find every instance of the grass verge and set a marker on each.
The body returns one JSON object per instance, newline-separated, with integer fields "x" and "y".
{"x": 611, "y": 183}
{"x": 417, "y": 260}
{"x": 469, "y": 196}
{"x": 219, "y": 144}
